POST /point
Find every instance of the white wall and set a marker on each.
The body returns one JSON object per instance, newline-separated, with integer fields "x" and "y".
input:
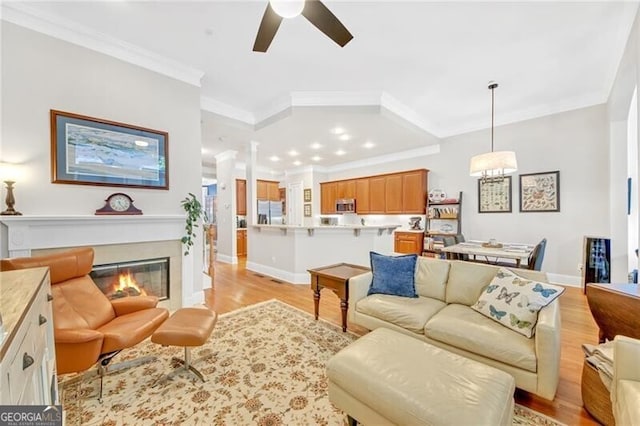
{"x": 40, "y": 73}
{"x": 574, "y": 142}
{"x": 618, "y": 109}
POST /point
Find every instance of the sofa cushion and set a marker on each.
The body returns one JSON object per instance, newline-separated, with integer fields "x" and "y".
{"x": 467, "y": 280}
{"x": 626, "y": 407}
{"x": 514, "y": 301}
{"x": 411, "y": 314}
{"x": 462, "y": 327}
{"x": 393, "y": 274}
{"x": 431, "y": 277}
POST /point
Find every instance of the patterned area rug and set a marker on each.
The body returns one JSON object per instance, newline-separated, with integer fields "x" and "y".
{"x": 264, "y": 365}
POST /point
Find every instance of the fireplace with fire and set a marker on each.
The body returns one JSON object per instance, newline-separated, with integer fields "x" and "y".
{"x": 149, "y": 277}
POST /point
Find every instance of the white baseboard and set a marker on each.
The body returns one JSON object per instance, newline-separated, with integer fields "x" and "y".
{"x": 290, "y": 277}
{"x": 226, "y": 259}
{"x": 196, "y": 298}
{"x": 565, "y": 280}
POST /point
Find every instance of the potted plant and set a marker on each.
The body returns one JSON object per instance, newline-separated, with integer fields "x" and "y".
{"x": 195, "y": 213}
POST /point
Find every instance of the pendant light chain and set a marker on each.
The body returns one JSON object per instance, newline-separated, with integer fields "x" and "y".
{"x": 492, "y": 86}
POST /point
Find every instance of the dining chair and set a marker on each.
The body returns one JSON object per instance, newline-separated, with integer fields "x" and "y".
{"x": 461, "y": 256}
{"x": 450, "y": 241}
{"x": 537, "y": 256}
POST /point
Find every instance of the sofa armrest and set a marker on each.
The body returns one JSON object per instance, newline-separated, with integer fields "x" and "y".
{"x": 358, "y": 288}
{"x": 547, "y": 346}
{"x": 126, "y": 305}
{"x": 626, "y": 355}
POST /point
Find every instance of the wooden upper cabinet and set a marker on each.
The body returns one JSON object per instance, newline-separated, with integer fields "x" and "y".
{"x": 241, "y": 197}
{"x": 393, "y": 192}
{"x": 273, "y": 192}
{"x": 328, "y": 197}
{"x": 261, "y": 190}
{"x": 377, "y": 195}
{"x": 414, "y": 192}
{"x": 346, "y": 189}
{"x": 267, "y": 190}
{"x": 362, "y": 196}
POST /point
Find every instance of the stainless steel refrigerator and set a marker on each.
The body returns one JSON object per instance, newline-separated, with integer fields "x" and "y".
{"x": 269, "y": 212}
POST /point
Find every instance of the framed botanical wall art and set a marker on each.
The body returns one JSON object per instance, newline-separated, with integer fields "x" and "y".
{"x": 307, "y": 210}
{"x": 93, "y": 151}
{"x": 494, "y": 195}
{"x": 540, "y": 192}
{"x": 307, "y": 195}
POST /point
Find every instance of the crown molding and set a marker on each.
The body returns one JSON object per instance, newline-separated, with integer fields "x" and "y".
{"x": 226, "y": 110}
{"x": 539, "y": 111}
{"x": 383, "y": 159}
{"x": 226, "y": 155}
{"x": 335, "y": 98}
{"x": 25, "y": 15}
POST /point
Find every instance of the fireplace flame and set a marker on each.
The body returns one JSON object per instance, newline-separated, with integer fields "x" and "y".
{"x": 127, "y": 286}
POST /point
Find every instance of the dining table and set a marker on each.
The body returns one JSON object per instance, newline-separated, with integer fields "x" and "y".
{"x": 489, "y": 250}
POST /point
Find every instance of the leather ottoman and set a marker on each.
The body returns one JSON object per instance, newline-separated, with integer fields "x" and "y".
{"x": 386, "y": 377}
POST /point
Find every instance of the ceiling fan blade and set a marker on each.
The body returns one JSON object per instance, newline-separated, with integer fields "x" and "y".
{"x": 267, "y": 31}
{"x": 320, "y": 16}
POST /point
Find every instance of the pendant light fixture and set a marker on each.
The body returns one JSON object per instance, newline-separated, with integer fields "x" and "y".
{"x": 493, "y": 166}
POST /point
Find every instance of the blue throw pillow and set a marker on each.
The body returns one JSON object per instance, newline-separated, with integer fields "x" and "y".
{"x": 393, "y": 274}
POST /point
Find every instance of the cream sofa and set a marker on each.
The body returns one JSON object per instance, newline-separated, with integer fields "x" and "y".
{"x": 442, "y": 316}
{"x": 625, "y": 391}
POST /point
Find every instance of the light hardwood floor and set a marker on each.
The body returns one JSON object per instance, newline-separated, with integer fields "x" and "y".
{"x": 235, "y": 287}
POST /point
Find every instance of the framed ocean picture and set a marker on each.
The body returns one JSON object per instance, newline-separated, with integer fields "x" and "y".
{"x": 93, "y": 151}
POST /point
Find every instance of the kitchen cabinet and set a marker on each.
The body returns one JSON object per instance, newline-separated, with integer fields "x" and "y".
{"x": 328, "y": 195}
{"x": 346, "y": 189}
{"x": 27, "y": 353}
{"x": 241, "y": 249}
{"x": 267, "y": 190}
{"x": 362, "y": 196}
{"x": 408, "y": 242}
{"x": 414, "y": 192}
{"x": 261, "y": 190}
{"x": 377, "y": 195}
{"x": 241, "y": 197}
{"x": 393, "y": 194}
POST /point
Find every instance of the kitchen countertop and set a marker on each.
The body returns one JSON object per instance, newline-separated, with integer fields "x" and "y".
{"x": 417, "y": 231}
{"x": 18, "y": 289}
{"x": 382, "y": 226}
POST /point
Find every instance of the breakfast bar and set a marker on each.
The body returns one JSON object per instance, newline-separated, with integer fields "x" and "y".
{"x": 287, "y": 252}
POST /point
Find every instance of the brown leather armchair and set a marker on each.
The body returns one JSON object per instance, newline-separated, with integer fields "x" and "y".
{"x": 88, "y": 327}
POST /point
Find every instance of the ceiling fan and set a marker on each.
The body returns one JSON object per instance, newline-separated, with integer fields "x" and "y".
{"x": 315, "y": 12}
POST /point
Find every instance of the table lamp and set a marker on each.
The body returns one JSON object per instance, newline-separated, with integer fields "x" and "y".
{"x": 8, "y": 174}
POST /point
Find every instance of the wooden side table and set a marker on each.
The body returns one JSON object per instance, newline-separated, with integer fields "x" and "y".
{"x": 615, "y": 309}
{"x": 334, "y": 277}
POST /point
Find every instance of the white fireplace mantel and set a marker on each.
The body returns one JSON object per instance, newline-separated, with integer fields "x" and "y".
{"x": 22, "y": 234}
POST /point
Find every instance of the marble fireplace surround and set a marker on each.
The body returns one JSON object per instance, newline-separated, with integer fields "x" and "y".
{"x": 114, "y": 239}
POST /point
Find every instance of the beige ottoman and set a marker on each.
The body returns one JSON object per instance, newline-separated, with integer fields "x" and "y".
{"x": 386, "y": 377}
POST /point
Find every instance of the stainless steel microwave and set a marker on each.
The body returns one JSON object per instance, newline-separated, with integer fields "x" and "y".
{"x": 346, "y": 205}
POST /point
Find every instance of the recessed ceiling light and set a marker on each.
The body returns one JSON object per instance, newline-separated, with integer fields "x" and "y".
{"x": 368, "y": 145}
{"x": 297, "y": 163}
{"x": 204, "y": 150}
{"x": 344, "y": 137}
{"x": 316, "y": 145}
{"x": 316, "y": 158}
{"x": 274, "y": 158}
{"x": 293, "y": 153}
{"x": 337, "y": 130}
{"x": 341, "y": 152}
